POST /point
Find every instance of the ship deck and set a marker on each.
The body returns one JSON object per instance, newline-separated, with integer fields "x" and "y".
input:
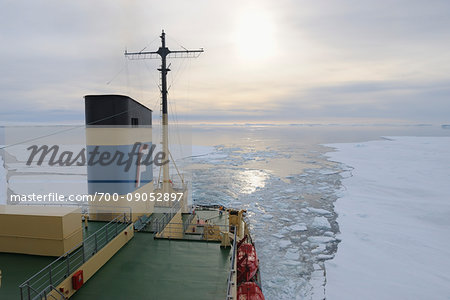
{"x": 16, "y": 268}
{"x": 148, "y": 268}
{"x": 145, "y": 268}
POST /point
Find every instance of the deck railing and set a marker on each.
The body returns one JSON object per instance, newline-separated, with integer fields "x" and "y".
{"x": 189, "y": 230}
{"x": 158, "y": 224}
{"x": 232, "y": 275}
{"x": 188, "y": 222}
{"x": 37, "y": 286}
{"x": 47, "y": 293}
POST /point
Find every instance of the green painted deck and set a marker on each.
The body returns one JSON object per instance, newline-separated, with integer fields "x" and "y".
{"x": 161, "y": 269}
{"x": 93, "y": 226}
{"x": 145, "y": 268}
{"x": 16, "y": 268}
{"x": 213, "y": 217}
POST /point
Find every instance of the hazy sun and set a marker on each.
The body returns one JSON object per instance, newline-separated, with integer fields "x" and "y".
{"x": 255, "y": 35}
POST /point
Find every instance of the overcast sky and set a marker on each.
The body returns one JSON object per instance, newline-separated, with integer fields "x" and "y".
{"x": 265, "y": 61}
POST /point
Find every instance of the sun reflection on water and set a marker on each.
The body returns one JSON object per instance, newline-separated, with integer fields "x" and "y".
{"x": 250, "y": 180}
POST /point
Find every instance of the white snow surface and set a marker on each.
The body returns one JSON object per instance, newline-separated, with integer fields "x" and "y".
{"x": 394, "y": 219}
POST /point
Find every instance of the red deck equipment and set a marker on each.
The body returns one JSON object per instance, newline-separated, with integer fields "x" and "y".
{"x": 77, "y": 280}
{"x": 249, "y": 291}
{"x": 247, "y": 263}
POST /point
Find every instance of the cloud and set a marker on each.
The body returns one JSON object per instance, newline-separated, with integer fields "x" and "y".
{"x": 372, "y": 100}
{"x": 346, "y": 59}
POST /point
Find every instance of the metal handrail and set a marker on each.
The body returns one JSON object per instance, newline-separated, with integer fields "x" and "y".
{"x": 230, "y": 282}
{"x": 188, "y": 222}
{"x": 165, "y": 219}
{"x": 181, "y": 227}
{"x": 65, "y": 266}
{"x": 61, "y": 294}
{"x": 44, "y": 294}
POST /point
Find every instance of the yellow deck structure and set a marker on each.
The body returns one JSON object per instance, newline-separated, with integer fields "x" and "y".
{"x": 173, "y": 230}
{"x": 39, "y": 230}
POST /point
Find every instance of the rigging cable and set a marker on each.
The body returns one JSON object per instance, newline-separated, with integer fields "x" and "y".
{"x": 66, "y": 130}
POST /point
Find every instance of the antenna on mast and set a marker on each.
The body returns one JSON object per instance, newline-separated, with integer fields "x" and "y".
{"x": 163, "y": 52}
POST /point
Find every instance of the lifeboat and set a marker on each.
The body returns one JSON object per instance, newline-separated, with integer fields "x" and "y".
{"x": 249, "y": 291}
{"x": 247, "y": 263}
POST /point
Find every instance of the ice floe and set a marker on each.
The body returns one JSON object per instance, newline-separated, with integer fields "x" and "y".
{"x": 319, "y": 211}
{"x": 321, "y": 223}
{"x": 394, "y": 221}
{"x": 298, "y": 227}
{"x": 284, "y": 243}
{"x": 283, "y": 215}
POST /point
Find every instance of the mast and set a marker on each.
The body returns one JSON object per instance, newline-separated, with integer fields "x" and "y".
{"x": 163, "y": 52}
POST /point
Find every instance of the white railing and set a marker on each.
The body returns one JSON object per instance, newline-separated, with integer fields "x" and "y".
{"x": 36, "y": 287}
